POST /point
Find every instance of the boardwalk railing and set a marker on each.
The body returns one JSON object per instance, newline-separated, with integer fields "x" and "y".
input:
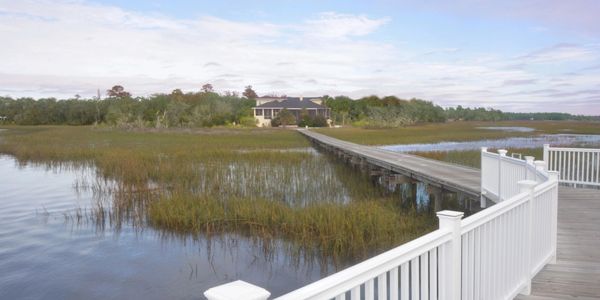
{"x": 492, "y": 254}
{"x": 500, "y": 174}
{"x": 574, "y": 165}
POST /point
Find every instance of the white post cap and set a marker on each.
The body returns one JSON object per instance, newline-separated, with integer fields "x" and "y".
{"x": 450, "y": 214}
{"x": 237, "y": 290}
{"x": 540, "y": 164}
{"x": 502, "y": 152}
{"x": 526, "y": 185}
{"x": 529, "y": 159}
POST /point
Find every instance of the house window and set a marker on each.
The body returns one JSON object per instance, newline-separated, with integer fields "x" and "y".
{"x": 258, "y": 112}
{"x": 267, "y": 113}
{"x": 275, "y": 112}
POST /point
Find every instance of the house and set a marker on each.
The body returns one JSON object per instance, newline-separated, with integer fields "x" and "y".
{"x": 267, "y": 108}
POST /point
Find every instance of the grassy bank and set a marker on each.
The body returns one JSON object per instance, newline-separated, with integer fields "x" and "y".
{"x": 258, "y": 182}
{"x": 455, "y": 131}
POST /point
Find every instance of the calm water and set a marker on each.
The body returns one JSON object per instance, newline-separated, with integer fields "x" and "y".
{"x": 45, "y": 256}
{"x": 579, "y": 140}
{"x": 46, "y": 252}
{"x": 509, "y": 128}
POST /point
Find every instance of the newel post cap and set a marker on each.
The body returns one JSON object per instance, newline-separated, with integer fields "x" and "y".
{"x": 526, "y": 185}
{"x": 529, "y": 159}
{"x": 237, "y": 290}
{"x": 540, "y": 164}
{"x": 502, "y": 152}
{"x": 554, "y": 175}
{"x": 484, "y": 149}
{"x": 450, "y": 214}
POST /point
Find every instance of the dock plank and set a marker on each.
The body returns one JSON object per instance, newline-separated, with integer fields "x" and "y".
{"x": 576, "y": 274}
{"x": 445, "y": 175}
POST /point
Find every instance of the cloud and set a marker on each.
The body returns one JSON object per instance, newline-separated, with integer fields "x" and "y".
{"x": 574, "y": 15}
{"x": 511, "y": 82}
{"x": 335, "y": 25}
{"x": 562, "y": 52}
{"x": 62, "y": 48}
{"x": 212, "y": 64}
{"x": 442, "y": 51}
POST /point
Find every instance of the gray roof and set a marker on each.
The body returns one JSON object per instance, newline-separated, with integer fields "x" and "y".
{"x": 293, "y": 102}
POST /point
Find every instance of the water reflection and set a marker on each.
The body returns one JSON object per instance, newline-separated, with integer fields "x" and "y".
{"x": 42, "y": 256}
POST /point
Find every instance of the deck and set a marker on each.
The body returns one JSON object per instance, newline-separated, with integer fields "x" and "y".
{"x": 440, "y": 174}
{"x": 576, "y": 275}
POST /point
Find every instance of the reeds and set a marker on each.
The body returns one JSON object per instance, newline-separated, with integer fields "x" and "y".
{"x": 226, "y": 181}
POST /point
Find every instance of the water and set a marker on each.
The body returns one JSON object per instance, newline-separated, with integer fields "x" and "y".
{"x": 45, "y": 256}
{"x": 48, "y": 252}
{"x": 509, "y": 128}
{"x": 579, "y": 140}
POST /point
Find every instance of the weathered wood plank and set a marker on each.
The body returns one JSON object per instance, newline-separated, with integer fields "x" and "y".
{"x": 576, "y": 275}
{"x": 577, "y": 272}
{"x": 440, "y": 174}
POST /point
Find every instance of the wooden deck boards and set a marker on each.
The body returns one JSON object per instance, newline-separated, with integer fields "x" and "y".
{"x": 445, "y": 175}
{"x": 576, "y": 275}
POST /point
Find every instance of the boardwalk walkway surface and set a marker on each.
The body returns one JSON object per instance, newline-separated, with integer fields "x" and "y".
{"x": 576, "y": 275}
{"x": 445, "y": 175}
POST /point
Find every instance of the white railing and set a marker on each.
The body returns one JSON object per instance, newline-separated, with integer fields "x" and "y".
{"x": 492, "y": 254}
{"x": 574, "y": 165}
{"x": 500, "y": 174}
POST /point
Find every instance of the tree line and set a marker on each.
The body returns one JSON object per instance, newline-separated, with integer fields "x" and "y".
{"x": 390, "y": 111}
{"x": 207, "y": 108}
{"x": 177, "y": 109}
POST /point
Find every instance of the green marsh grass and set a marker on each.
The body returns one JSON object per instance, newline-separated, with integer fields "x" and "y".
{"x": 214, "y": 182}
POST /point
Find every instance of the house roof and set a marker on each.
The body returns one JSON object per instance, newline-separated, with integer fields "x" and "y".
{"x": 292, "y": 102}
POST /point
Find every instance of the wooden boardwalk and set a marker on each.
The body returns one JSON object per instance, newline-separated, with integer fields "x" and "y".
{"x": 576, "y": 275}
{"x": 440, "y": 174}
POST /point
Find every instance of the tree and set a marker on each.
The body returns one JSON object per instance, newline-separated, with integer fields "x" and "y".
{"x": 207, "y": 88}
{"x": 284, "y": 118}
{"x": 118, "y": 91}
{"x": 250, "y": 93}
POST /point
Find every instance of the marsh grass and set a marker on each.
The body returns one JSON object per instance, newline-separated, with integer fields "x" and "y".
{"x": 224, "y": 181}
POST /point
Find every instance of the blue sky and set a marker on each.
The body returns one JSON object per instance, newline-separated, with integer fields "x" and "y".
{"x": 529, "y": 55}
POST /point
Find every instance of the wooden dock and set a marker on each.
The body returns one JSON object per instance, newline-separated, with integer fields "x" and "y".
{"x": 444, "y": 175}
{"x": 576, "y": 275}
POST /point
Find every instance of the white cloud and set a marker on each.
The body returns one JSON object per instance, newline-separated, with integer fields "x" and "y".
{"x": 560, "y": 53}
{"x": 62, "y": 48}
{"x": 334, "y": 25}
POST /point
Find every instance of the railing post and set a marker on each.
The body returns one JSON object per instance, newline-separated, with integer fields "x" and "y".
{"x": 502, "y": 153}
{"x": 553, "y": 175}
{"x": 546, "y": 156}
{"x": 528, "y": 186}
{"x": 529, "y": 161}
{"x": 483, "y": 200}
{"x": 450, "y": 220}
{"x": 540, "y": 166}
{"x": 237, "y": 290}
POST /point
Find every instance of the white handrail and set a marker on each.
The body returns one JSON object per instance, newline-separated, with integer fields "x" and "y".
{"x": 344, "y": 281}
{"x": 574, "y": 165}
{"x": 492, "y": 254}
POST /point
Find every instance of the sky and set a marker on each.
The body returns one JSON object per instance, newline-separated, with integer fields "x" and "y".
{"x": 521, "y": 56}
